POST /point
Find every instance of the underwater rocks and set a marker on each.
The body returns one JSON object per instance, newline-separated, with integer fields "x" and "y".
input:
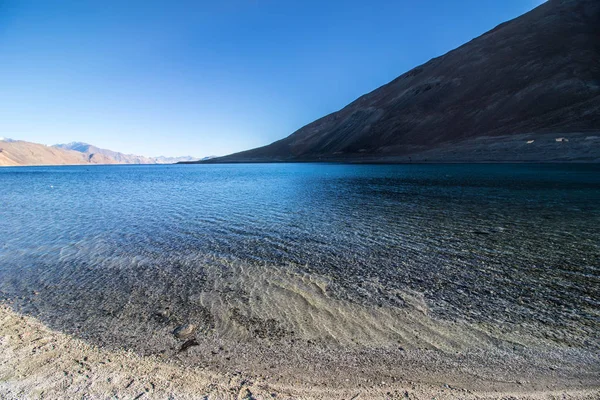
{"x": 261, "y": 328}
{"x": 185, "y": 331}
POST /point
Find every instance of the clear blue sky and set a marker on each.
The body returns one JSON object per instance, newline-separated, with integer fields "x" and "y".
{"x": 211, "y": 78}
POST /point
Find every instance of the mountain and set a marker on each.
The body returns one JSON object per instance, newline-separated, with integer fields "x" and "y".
{"x": 174, "y": 160}
{"x": 95, "y": 154}
{"x": 18, "y": 152}
{"x": 511, "y": 94}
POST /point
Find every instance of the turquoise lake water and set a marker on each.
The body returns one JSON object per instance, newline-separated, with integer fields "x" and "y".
{"x": 505, "y": 245}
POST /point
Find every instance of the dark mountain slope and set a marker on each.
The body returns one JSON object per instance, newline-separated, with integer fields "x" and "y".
{"x": 536, "y": 74}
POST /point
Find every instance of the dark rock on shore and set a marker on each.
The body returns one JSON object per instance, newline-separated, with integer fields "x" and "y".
{"x": 187, "y": 344}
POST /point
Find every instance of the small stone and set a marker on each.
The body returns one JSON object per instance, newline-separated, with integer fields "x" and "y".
{"x": 162, "y": 316}
{"x": 185, "y": 331}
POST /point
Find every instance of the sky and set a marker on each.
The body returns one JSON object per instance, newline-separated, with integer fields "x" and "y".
{"x": 207, "y": 78}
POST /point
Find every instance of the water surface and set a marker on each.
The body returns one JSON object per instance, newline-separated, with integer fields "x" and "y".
{"x": 113, "y": 252}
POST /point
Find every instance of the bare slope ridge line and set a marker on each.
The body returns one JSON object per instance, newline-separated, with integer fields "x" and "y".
{"x": 20, "y": 153}
{"x": 17, "y": 153}
{"x": 536, "y": 74}
{"x": 95, "y": 153}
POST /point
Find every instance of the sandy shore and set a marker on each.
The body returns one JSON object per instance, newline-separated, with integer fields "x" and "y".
{"x": 37, "y": 362}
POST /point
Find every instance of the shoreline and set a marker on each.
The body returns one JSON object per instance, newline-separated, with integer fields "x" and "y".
{"x": 37, "y": 362}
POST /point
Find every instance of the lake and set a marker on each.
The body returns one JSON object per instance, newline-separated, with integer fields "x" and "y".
{"x": 445, "y": 258}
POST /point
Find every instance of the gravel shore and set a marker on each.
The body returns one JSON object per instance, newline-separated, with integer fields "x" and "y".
{"x": 39, "y": 363}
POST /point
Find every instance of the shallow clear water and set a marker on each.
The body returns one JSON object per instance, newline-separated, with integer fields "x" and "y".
{"x": 511, "y": 246}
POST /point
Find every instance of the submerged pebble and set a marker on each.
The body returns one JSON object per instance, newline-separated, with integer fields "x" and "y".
{"x": 185, "y": 331}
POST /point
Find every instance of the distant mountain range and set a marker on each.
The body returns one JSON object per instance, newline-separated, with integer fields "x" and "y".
{"x": 17, "y": 153}
{"x": 528, "y": 90}
{"x": 95, "y": 153}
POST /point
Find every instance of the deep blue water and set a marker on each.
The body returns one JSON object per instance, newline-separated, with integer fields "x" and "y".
{"x": 501, "y": 244}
